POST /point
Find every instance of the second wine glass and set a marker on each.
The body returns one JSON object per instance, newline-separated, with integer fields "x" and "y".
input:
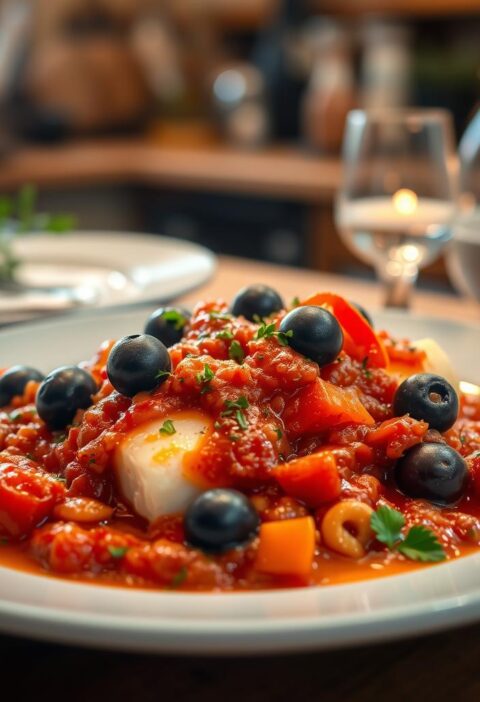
{"x": 397, "y": 199}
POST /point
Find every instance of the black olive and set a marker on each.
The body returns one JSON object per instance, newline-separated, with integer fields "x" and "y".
{"x": 256, "y": 301}
{"x": 434, "y": 472}
{"x": 428, "y": 397}
{"x": 315, "y": 333}
{"x": 62, "y": 393}
{"x": 219, "y": 520}
{"x": 167, "y": 324}
{"x": 14, "y": 380}
{"x": 138, "y": 363}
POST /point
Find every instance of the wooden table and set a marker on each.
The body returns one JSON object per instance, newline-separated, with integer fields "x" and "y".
{"x": 436, "y": 668}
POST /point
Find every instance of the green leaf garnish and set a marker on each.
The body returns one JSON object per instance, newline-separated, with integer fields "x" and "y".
{"x": 235, "y": 352}
{"x": 387, "y": 524}
{"x": 177, "y": 319}
{"x": 179, "y": 578}
{"x": 224, "y": 334}
{"x": 205, "y": 378}
{"x": 168, "y": 428}
{"x": 279, "y": 433}
{"x": 420, "y": 543}
{"x": 162, "y": 374}
{"x": 235, "y": 408}
{"x": 295, "y": 302}
{"x": 117, "y": 551}
{"x": 367, "y": 372}
{"x": 220, "y": 315}
{"x": 268, "y": 331}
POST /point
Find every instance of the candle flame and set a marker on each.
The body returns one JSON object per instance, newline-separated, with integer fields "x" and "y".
{"x": 405, "y": 201}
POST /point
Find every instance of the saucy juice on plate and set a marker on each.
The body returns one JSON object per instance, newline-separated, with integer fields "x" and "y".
{"x": 247, "y": 446}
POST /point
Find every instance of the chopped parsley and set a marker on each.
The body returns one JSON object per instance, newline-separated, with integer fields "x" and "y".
{"x": 168, "y": 427}
{"x": 59, "y": 438}
{"x": 177, "y": 319}
{"x": 15, "y": 415}
{"x": 234, "y": 408}
{"x": 224, "y": 334}
{"x": 269, "y": 331}
{"x": 235, "y": 352}
{"x": 367, "y": 372}
{"x": 420, "y": 543}
{"x": 179, "y": 578}
{"x": 220, "y": 315}
{"x": 162, "y": 374}
{"x": 295, "y": 302}
{"x": 279, "y": 433}
{"x": 205, "y": 378}
{"x": 117, "y": 551}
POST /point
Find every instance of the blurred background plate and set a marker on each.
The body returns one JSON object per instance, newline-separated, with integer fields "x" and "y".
{"x": 102, "y": 269}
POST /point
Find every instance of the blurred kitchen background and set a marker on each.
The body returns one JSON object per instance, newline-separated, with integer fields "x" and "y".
{"x": 219, "y": 121}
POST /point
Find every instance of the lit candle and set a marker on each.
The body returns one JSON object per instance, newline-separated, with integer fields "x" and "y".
{"x": 404, "y": 210}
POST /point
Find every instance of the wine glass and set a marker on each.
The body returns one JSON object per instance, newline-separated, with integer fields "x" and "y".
{"x": 397, "y": 198}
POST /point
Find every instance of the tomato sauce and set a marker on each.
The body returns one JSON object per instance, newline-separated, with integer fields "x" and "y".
{"x": 62, "y": 511}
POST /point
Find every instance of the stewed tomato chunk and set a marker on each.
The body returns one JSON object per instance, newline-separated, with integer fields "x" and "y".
{"x": 313, "y": 479}
{"x": 27, "y": 496}
{"x": 322, "y": 405}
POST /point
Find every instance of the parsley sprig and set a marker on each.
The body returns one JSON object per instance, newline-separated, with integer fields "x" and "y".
{"x": 269, "y": 331}
{"x": 420, "y": 543}
{"x": 168, "y": 428}
{"x": 234, "y": 408}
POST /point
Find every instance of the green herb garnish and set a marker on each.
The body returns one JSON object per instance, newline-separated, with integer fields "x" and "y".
{"x": 177, "y": 319}
{"x": 224, "y": 334}
{"x": 234, "y": 408}
{"x": 235, "y": 352}
{"x": 18, "y": 217}
{"x": 168, "y": 427}
{"x": 269, "y": 331}
{"x": 420, "y": 543}
{"x": 279, "y": 433}
{"x": 367, "y": 372}
{"x": 117, "y": 551}
{"x": 295, "y": 302}
{"x": 219, "y": 315}
{"x": 162, "y": 374}
{"x": 205, "y": 378}
{"x": 179, "y": 578}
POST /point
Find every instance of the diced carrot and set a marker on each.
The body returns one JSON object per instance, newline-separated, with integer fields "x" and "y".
{"x": 322, "y": 405}
{"x": 314, "y": 479}
{"x": 287, "y": 547}
{"x": 359, "y": 339}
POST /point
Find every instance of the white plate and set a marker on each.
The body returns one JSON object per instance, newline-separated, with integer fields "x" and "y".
{"x": 426, "y": 600}
{"x": 102, "y": 269}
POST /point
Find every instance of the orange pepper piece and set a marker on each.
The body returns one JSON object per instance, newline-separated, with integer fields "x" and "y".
{"x": 287, "y": 547}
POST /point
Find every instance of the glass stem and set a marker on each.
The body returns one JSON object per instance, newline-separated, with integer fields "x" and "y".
{"x": 398, "y": 284}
